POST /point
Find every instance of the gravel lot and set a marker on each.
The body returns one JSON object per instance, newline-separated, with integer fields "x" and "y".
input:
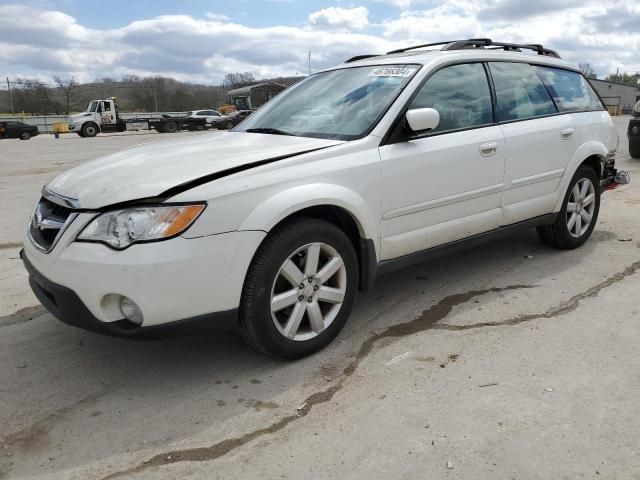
{"x": 509, "y": 360}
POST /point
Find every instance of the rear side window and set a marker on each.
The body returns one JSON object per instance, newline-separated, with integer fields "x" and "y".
{"x": 461, "y": 96}
{"x": 572, "y": 92}
{"x": 519, "y": 91}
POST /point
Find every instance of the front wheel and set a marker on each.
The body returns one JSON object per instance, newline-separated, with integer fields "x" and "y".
{"x": 300, "y": 289}
{"x": 577, "y": 218}
{"x": 229, "y": 125}
{"x": 25, "y": 136}
{"x": 89, "y": 130}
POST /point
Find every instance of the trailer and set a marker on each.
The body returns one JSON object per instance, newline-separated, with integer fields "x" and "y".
{"x": 103, "y": 116}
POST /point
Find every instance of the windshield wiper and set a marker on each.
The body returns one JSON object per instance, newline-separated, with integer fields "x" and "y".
{"x": 273, "y": 131}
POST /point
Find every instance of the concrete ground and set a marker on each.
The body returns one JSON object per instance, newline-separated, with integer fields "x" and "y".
{"x": 509, "y": 360}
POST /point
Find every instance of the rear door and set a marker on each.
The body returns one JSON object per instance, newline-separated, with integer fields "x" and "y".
{"x": 445, "y": 184}
{"x": 575, "y": 97}
{"x": 535, "y": 139}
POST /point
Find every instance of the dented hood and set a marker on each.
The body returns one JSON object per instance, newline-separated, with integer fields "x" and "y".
{"x": 151, "y": 169}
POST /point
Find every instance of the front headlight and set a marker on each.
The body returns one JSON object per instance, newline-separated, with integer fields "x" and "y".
{"x": 121, "y": 228}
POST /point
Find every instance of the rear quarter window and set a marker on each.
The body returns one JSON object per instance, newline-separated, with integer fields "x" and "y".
{"x": 571, "y": 90}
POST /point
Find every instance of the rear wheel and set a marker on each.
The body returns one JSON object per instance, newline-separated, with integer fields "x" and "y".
{"x": 300, "y": 289}
{"x": 170, "y": 127}
{"x": 25, "y": 136}
{"x": 634, "y": 147}
{"x": 577, "y": 218}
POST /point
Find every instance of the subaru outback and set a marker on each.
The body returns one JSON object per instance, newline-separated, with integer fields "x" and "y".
{"x": 274, "y": 226}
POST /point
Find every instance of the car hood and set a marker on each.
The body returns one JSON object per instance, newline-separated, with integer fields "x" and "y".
{"x": 151, "y": 169}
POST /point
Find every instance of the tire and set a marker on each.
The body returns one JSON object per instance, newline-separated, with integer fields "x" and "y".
{"x": 80, "y": 134}
{"x": 90, "y": 130}
{"x": 564, "y": 233}
{"x": 25, "y": 136}
{"x": 634, "y": 148}
{"x": 170, "y": 127}
{"x": 229, "y": 125}
{"x": 293, "y": 243}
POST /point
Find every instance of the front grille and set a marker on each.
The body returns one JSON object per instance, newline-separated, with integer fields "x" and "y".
{"x": 47, "y": 223}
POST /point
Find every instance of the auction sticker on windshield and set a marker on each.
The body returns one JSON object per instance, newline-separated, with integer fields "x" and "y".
{"x": 393, "y": 72}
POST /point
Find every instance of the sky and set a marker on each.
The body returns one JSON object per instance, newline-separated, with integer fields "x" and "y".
{"x": 202, "y": 40}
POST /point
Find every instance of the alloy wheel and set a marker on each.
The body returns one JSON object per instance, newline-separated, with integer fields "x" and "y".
{"x": 308, "y": 291}
{"x": 580, "y": 207}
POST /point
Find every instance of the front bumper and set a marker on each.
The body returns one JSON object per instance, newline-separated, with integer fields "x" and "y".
{"x": 174, "y": 282}
{"x": 66, "y": 306}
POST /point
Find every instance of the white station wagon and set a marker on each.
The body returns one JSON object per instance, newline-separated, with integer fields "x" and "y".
{"x": 380, "y": 162}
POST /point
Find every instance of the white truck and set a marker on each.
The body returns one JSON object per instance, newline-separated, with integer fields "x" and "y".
{"x": 102, "y": 116}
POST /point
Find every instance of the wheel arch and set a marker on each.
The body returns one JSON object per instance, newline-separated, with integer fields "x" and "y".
{"x": 591, "y": 153}
{"x": 335, "y": 204}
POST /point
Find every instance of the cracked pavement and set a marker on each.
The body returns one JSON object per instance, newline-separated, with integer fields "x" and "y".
{"x": 508, "y": 360}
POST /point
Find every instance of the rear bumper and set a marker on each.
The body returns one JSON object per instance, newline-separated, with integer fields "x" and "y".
{"x": 66, "y": 306}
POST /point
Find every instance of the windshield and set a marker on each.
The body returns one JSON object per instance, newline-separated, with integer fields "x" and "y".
{"x": 92, "y": 106}
{"x": 340, "y": 104}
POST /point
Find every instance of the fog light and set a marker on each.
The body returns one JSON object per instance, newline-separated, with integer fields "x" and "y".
{"x": 131, "y": 311}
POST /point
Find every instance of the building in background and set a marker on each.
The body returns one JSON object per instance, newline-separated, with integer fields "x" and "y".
{"x": 618, "y": 97}
{"x": 254, "y": 96}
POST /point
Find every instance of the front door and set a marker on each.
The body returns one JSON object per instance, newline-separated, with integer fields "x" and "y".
{"x": 108, "y": 114}
{"x": 446, "y": 184}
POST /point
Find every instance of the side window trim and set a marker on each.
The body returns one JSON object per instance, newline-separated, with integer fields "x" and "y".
{"x": 492, "y": 90}
{"x": 552, "y": 93}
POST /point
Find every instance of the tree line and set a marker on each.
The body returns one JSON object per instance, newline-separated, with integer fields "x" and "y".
{"x": 135, "y": 94}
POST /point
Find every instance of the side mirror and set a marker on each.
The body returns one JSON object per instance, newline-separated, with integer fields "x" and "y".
{"x": 421, "y": 119}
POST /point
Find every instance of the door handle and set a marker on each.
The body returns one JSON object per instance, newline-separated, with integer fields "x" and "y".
{"x": 566, "y": 133}
{"x": 488, "y": 149}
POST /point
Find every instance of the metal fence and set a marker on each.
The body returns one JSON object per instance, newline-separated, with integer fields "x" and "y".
{"x": 43, "y": 122}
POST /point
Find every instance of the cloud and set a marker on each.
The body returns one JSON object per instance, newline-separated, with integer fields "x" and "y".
{"x": 509, "y": 10}
{"x": 446, "y": 22}
{"x": 217, "y": 17}
{"x": 338, "y": 18}
{"x": 41, "y": 42}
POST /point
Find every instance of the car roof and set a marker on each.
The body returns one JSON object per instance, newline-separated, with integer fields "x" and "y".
{"x": 437, "y": 57}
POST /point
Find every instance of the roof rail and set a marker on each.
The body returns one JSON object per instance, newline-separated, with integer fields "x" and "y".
{"x": 484, "y": 43}
{"x": 400, "y": 50}
{"x": 360, "y": 57}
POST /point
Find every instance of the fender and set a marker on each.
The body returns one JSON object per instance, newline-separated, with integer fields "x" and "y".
{"x": 585, "y": 151}
{"x": 287, "y": 202}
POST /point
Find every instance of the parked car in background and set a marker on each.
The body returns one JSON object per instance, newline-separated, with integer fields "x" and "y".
{"x": 209, "y": 115}
{"x": 17, "y": 130}
{"x": 633, "y": 132}
{"x": 227, "y": 122}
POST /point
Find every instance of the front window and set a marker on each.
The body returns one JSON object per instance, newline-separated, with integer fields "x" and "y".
{"x": 340, "y": 104}
{"x": 460, "y": 94}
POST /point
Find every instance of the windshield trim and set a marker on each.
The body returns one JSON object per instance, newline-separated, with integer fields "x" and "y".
{"x": 374, "y": 124}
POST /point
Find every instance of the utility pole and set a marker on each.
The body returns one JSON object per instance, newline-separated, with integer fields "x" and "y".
{"x": 10, "y": 96}
{"x": 309, "y": 62}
